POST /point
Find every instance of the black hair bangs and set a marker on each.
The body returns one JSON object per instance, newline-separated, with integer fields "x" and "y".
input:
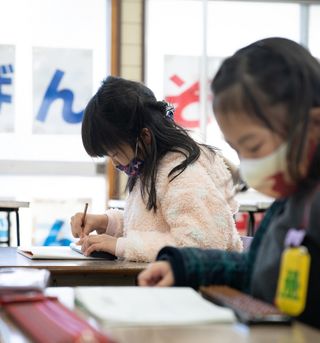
{"x": 231, "y": 100}
{"x": 99, "y": 136}
{"x": 241, "y": 98}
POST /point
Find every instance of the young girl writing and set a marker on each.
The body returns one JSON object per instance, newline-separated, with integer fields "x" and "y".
{"x": 267, "y": 103}
{"x": 180, "y": 193}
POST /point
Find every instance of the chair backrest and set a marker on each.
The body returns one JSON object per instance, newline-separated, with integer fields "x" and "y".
{"x": 246, "y": 240}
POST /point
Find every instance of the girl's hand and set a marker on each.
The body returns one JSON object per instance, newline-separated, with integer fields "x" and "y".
{"x": 98, "y": 243}
{"x": 98, "y": 222}
{"x": 157, "y": 274}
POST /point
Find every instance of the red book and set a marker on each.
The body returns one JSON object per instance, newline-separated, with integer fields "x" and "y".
{"x": 46, "y": 320}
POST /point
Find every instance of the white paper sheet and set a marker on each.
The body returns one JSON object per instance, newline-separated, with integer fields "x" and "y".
{"x": 23, "y": 279}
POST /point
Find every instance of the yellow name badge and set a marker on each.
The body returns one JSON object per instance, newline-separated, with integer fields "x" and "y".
{"x": 293, "y": 280}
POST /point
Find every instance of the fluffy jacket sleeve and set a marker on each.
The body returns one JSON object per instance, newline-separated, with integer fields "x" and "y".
{"x": 115, "y": 222}
{"x": 197, "y": 267}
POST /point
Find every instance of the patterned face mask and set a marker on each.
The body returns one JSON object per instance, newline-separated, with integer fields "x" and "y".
{"x": 268, "y": 174}
{"x": 135, "y": 166}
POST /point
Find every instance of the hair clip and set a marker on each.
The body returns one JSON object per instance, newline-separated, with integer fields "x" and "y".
{"x": 169, "y": 111}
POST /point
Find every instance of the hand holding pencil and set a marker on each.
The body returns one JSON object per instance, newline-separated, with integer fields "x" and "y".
{"x": 82, "y": 223}
{"x": 83, "y": 219}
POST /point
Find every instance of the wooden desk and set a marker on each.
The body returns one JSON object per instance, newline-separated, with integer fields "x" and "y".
{"x": 77, "y": 273}
{"x": 116, "y": 203}
{"x": 220, "y": 333}
{"x": 9, "y": 206}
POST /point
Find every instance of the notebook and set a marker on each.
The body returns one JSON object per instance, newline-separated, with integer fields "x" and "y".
{"x": 53, "y": 253}
{"x": 155, "y": 306}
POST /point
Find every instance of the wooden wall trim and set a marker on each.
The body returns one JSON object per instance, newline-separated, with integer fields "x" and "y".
{"x": 111, "y": 173}
{"x": 115, "y": 36}
{"x": 143, "y": 38}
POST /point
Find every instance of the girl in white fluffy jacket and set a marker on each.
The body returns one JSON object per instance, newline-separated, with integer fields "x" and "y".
{"x": 180, "y": 192}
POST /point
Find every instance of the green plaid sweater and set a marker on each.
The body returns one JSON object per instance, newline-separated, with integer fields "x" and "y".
{"x": 198, "y": 267}
{"x": 256, "y": 271}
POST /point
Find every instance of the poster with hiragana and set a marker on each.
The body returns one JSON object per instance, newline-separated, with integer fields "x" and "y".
{"x": 62, "y": 87}
{"x": 182, "y": 87}
{"x": 7, "y": 87}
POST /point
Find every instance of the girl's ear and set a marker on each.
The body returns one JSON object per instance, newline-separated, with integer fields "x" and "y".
{"x": 314, "y": 124}
{"x": 146, "y": 136}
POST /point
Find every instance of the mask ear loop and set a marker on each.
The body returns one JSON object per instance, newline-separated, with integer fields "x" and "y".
{"x": 136, "y": 149}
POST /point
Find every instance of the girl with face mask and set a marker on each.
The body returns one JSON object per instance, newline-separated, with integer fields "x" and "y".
{"x": 180, "y": 192}
{"x": 266, "y": 99}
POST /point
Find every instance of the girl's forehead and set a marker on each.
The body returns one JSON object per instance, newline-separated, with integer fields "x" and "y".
{"x": 233, "y": 107}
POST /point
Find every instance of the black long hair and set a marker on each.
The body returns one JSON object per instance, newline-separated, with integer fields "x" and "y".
{"x": 116, "y": 115}
{"x": 276, "y": 81}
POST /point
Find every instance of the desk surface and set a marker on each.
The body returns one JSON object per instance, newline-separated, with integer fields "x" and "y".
{"x": 253, "y": 201}
{"x": 79, "y": 272}
{"x": 221, "y": 333}
{"x": 7, "y": 203}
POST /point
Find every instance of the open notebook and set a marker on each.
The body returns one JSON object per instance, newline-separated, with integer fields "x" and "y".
{"x": 150, "y": 306}
{"x": 72, "y": 252}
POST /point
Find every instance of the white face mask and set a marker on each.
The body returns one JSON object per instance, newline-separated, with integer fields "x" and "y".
{"x": 268, "y": 174}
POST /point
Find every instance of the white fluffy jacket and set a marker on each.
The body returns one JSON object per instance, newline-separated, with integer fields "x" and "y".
{"x": 195, "y": 209}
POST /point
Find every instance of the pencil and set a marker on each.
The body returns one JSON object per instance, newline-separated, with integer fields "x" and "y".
{"x": 84, "y": 215}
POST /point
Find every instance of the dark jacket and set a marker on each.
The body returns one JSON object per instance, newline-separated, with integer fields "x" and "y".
{"x": 256, "y": 271}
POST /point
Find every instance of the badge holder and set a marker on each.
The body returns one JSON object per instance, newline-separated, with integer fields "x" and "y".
{"x": 293, "y": 280}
